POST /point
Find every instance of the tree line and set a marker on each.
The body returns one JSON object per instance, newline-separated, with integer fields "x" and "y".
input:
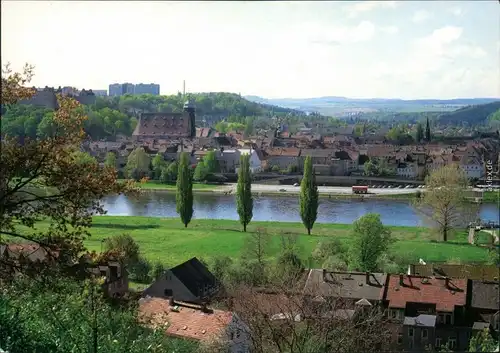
{"x": 112, "y": 116}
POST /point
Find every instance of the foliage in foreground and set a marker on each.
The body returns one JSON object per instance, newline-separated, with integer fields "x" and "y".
{"x": 31, "y": 166}
{"x": 61, "y": 317}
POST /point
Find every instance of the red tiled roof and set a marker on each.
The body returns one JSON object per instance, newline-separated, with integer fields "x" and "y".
{"x": 289, "y": 152}
{"x": 187, "y": 322}
{"x": 434, "y": 291}
{"x": 163, "y": 124}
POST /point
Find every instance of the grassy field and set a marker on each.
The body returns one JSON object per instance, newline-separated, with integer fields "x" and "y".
{"x": 167, "y": 240}
{"x": 491, "y": 196}
{"x": 156, "y": 185}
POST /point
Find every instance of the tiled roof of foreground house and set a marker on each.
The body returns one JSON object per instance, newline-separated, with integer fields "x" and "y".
{"x": 473, "y": 272}
{"x": 183, "y": 321}
{"x": 31, "y": 251}
{"x": 352, "y": 285}
{"x": 446, "y": 293}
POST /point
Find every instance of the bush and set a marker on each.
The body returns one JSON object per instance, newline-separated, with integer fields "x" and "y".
{"x": 157, "y": 270}
{"x": 140, "y": 271}
{"x": 125, "y": 245}
{"x": 335, "y": 263}
{"x": 221, "y": 266}
{"x": 327, "y": 248}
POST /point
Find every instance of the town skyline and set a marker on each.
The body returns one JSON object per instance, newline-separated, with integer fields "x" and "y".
{"x": 387, "y": 49}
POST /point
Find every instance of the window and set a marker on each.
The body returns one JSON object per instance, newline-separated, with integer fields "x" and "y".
{"x": 400, "y": 338}
{"x": 448, "y": 319}
{"x": 440, "y": 318}
{"x": 410, "y": 344}
{"x": 438, "y": 342}
{"x": 452, "y": 343}
{"x": 425, "y": 333}
{"x": 168, "y": 292}
{"x": 410, "y": 332}
{"x": 394, "y": 314}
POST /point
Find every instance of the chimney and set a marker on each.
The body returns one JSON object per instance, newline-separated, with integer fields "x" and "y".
{"x": 324, "y": 275}
{"x": 367, "y": 274}
{"x": 447, "y": 282}
{"x": 401, "y": 279}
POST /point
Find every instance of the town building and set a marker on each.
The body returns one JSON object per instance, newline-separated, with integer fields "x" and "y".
{"x": 189, "y": 282}
{"x": 166, "y": 125}
{"x": 431, "y": 311}
{"x": 147, "y": 88}
{"x": 120, "y": 89}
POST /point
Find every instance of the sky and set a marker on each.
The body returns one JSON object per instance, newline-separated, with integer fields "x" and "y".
{"x": 368, "y": 49}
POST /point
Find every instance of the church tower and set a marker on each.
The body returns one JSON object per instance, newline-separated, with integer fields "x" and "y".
{"x": 190, "y": 110}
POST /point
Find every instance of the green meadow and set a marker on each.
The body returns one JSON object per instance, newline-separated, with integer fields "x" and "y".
{"x": 167, "y": 240}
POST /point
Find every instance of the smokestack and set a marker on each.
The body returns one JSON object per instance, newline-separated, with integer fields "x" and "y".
{"x": 447, "y": 282}
{"x": 401, "y": 278}
{"x": 367, "y": 274}
{"x": 324, "y": 275}
{"x": 184, "y": 89}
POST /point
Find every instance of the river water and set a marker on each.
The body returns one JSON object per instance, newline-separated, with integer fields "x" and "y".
{"x": 276, "y": 209}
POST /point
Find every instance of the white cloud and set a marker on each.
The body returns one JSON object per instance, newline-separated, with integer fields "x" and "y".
{"x": 421, "y": 16}
{"x": 336, "y": 35}
{"x": 367, "y": 6}
{"x": 440, "y": 57}
{"x": 389, "y": 29}
{"x": 457, "y": 11}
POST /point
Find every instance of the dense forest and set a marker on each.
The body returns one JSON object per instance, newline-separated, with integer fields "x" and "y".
{"x": 471, "y": 115}
{"x": 110, "y": 116}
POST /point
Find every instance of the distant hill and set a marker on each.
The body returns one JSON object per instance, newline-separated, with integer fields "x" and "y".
{"x": 472, "y": 115}
{"x": 343, "y": 106}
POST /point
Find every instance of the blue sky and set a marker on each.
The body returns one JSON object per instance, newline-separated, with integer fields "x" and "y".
{"x": 390, "y": 49}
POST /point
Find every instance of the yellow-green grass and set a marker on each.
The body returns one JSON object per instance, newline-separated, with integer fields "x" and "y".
{"x": 156, "y": 185}
{"x": 167, "y": 240}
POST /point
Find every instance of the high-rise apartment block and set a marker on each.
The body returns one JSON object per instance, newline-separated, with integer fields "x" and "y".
{"x": 147, "y": 88}
{"x": 120, "y": 89}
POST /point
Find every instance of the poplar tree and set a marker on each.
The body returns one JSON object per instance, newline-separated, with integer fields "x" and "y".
{"x": 308, "y": 196}
{"x": 244, "y": 200}
{"x": 184, "y": 196}
{"x": 427, "y": 131}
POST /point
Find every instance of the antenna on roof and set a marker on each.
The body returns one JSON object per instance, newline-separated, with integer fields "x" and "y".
{"x": 184, "y": 89}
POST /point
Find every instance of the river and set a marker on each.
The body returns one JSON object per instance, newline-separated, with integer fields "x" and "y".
{"x": 276, "y": 209}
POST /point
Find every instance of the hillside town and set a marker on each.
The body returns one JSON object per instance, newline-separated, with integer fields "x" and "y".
{"x": 337, "y": 152}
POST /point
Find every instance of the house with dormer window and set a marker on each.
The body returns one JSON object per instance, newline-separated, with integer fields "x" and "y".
{"x": 431, "y": 311}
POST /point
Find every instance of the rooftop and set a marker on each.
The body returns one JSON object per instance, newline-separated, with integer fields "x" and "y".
{"x": 445, "y": 293}
{"x": 474, "y": 272}
{"x": 183, "y": 321}
{"x": 422, "y": 320}
{"x": 354, "y": 285}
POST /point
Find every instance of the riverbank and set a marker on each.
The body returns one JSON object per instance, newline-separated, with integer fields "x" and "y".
{"x": 167, "y": 240}
{"x": 154, "y": 185}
